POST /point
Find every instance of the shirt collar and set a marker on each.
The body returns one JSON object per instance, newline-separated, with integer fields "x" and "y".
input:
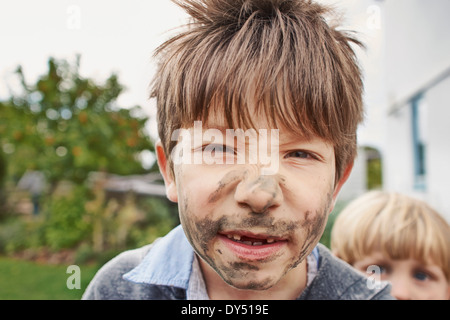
{"x": 168, "y": 263}
{"x": 197, "y": 288}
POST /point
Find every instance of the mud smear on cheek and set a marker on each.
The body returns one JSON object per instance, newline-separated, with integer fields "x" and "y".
{"x": 313, "y": 225}
{"x": 229, "y": 179}
{"x": 313, "y": 228}
{"x": 200, "y": 234}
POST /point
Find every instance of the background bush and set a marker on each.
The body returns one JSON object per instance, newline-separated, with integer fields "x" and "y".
{"x": 65, "y": 224}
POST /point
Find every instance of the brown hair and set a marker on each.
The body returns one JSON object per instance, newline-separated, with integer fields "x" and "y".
{"x": 398, "y": 226}
{"x": 278, "y": 56}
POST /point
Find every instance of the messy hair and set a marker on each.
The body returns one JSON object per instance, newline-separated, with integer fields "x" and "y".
{"x": 279, "y": 57}
{"x": 398, "y": 226}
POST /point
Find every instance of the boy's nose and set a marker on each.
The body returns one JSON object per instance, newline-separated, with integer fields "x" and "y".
{"x": 259, "y": 193}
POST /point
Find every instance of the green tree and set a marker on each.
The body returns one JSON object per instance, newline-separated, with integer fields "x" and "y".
{"x": 67, "y": 126}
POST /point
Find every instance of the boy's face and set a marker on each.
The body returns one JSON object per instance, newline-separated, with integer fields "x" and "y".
{"x": 410, "y": 279}
{"x": 253, "y": 228}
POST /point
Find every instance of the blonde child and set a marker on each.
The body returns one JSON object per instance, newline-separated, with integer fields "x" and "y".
{"x": 407, "y": 241}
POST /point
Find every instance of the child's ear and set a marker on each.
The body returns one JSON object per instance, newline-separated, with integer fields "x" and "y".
{"x": 169, "y": 180}
{"x": 340, "y": 183}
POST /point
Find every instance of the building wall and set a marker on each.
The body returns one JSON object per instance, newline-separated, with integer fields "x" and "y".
{"x": 438, "y": 148}
{"x": 417, "y": 44}
{"x": 357, "y": 181}
{"x": 398, "y": 173}
{"x": 417, "y": 53}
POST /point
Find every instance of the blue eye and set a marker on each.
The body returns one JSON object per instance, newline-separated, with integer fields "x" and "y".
{"x": 298, "y": 154}
{"x": 218, "y": 148}
{"x": 421, "y": 276}
{"x": 229, "y": 150}
{"x": 383, "y": 269}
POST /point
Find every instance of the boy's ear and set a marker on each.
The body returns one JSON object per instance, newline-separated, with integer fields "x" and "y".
{"x": 169, "y": 180}
{"x": 340, "y": 183}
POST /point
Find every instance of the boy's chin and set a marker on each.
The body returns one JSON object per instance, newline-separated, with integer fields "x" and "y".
{"x": 252, "y": 282}
{"x": 253, "y": 286}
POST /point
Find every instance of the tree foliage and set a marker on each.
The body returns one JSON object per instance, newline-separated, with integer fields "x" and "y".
{"x": 67, "y": 126}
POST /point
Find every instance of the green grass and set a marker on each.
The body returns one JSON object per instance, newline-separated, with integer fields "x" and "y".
{"x": 25, "y": 280}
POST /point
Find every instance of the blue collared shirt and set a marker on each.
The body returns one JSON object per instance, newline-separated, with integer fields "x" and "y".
{"x": 169, "y": 263}
{"x": 168, "y": 269}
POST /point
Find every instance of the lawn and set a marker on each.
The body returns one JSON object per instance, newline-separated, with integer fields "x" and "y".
{"x": 26, "y": 280}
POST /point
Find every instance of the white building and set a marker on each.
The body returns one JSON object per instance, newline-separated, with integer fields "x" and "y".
{"x": 417, "y": 72}
{"x": 408, "y": 101}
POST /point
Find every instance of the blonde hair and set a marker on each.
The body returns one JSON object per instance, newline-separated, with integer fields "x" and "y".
{"x": 398, "y": 226}
{"x": 279, "y": 56}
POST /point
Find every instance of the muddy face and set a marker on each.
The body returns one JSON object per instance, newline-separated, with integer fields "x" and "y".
{"x": 225, "y": 207}
{"x": 302, "y": 231}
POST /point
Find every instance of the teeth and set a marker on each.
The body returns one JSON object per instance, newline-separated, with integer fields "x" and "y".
{"x": 237, "y": 237}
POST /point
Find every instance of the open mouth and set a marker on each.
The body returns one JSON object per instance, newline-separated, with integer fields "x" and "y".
{"x": 250, "y": 241}
{"x": 252, "y": 247}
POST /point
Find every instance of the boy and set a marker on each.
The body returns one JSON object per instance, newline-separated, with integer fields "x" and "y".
{"x": 251, "y": 212}
{"x": 400, "y": 238}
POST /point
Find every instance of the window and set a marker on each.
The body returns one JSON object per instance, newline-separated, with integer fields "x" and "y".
{"x": 419, "y": 130}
